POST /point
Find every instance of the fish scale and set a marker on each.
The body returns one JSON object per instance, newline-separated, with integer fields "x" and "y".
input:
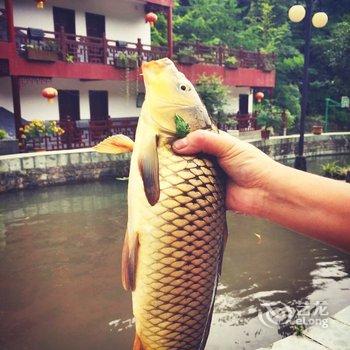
{"x": 179, "y": 253}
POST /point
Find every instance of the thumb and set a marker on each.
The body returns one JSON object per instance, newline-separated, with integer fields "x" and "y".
{"x": 219, "y": 145}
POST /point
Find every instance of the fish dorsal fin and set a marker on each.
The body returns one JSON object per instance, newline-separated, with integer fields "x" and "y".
{"x": 149, "y": 169}
{"x": 129, "y": 260}
{"x": 115, "y": 144}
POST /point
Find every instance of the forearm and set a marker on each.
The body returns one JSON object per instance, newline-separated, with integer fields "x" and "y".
{"x": 313, "y": 205}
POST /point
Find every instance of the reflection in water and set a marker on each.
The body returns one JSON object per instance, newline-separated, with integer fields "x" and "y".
{"x": 60, "y": 273}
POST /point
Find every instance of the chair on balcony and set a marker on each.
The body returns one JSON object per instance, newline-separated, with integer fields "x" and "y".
{"x": 73, "y": 136}
{"x": 246, "y": 122}
{"x": 126, "y": 126}
{"x": 99, "y": 130}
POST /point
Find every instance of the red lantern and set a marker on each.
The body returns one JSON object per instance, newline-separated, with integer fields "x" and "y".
{"x": 50, "y": 93}
{"x": 151, "y": 18}
{"x": 259, "y": 96}
{"x": 40, "y": 4}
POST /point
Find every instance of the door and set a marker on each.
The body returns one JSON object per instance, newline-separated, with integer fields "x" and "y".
{"x": 68, "y": 104}
{"x": 95, "y": 25}
{"x": 64, "y": 18}
{"x": 98, "y": 101}
{"x": 243, "y": 104}
{"x": 3, "y": 25}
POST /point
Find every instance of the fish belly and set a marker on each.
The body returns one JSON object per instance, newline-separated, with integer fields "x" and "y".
{"x": 181, "y": 243}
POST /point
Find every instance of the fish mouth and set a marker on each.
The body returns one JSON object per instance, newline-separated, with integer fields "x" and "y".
{"x": 156, "y": 64}
{"x": 151, "y": 69}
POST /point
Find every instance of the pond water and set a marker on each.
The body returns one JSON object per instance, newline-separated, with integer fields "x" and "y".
{"x": 60, "y": 288}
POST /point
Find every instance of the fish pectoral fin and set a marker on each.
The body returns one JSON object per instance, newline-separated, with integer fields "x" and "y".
{"x": 129, "y": 260}
{"x": 115, "y": 144}
{"x": 149, "y": 169}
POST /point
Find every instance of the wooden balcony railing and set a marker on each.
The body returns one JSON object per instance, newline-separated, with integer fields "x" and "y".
{"x": 87, "y": 133}
{"x": 82, "y": 134}
{"x": 85, "y": 49}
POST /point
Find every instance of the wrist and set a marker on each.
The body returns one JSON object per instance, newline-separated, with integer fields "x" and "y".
{"x": 273, "y": 189}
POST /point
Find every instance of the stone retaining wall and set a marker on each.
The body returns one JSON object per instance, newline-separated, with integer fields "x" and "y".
{"x": 30, "y": 170}
{"x": 19, "y": 171}
{"x": 285, "y": 147}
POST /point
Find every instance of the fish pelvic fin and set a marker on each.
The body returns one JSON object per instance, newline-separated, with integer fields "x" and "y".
{"x": 137, "y": 343}
{"x": 115, "y": 144}
{"x": 129, "y": 260}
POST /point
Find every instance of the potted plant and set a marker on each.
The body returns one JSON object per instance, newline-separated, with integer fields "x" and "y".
{"x": 46, "y": 52}
{"x": 186, "y": 56}
{"x": 125, "y": 60}
{"x": 207, "y": 58}
{"x": 317, "y": 129}
{"x": 36, "y": 130}
{"x": 231, "y": 62}
{"x": 267, "y": 64}
{"x": 69, "y": 58}
{"x": 268, "y": 121}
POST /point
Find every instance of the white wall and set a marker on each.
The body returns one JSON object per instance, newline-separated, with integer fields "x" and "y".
{"x": 6, "y": 93}
{"x": 34, "y": 106}
{"x": 233, "y": 99}
{"x": 120, "y": 105}
{"x": 124, "y": 19}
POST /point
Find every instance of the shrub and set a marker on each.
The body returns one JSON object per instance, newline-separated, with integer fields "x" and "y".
{"x": 3, "y": 134}
{"x": 335, "y": 171}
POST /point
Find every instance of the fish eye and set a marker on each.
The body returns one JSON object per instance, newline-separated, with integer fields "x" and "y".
{"x": 184, "y": 87}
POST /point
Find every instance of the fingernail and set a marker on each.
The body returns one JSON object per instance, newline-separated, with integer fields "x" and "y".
{"x": 179, "y": 144}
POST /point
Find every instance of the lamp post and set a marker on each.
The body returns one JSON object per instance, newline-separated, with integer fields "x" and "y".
{"x": 296, "y": 14}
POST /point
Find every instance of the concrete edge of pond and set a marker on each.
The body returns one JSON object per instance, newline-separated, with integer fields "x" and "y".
{"x": 29, "y": 170}
{"x": 333, "y": 337}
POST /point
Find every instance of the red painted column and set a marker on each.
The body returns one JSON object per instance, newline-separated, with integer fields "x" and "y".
{"x": 16, "y": 104}
{"x": 170, "y": 32}
{"x": 9, "y": 18}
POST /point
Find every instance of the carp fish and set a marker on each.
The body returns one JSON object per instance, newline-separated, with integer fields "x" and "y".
{"x": 176, "y": 231}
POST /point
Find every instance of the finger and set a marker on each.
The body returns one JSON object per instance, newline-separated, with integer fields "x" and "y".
{"x": 219, "y": 145}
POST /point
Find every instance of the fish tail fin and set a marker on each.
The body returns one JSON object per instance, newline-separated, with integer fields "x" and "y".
{"x": 115, "y": 144}
{"x": 137, "y": 343}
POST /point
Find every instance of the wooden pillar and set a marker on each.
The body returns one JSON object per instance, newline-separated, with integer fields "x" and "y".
{"x": 16, "y": 105}
{"x": 170, "y": 32}
{"x": 9, "y": 19}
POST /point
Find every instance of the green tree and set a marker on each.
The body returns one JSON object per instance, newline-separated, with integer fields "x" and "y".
{"x": 264, "y": 25}
{"x": 214, "y": 95}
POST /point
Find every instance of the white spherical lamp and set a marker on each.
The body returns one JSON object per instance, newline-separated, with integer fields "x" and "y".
{"x": 319, "y": 19}
{"x": 297, "y": 13}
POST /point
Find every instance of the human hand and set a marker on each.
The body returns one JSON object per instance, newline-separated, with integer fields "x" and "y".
{"x": 249, "y": 170}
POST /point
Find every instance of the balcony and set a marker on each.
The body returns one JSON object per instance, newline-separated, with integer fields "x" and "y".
{"x": 87, "y": 133}
{"x": 46, "y": 46}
